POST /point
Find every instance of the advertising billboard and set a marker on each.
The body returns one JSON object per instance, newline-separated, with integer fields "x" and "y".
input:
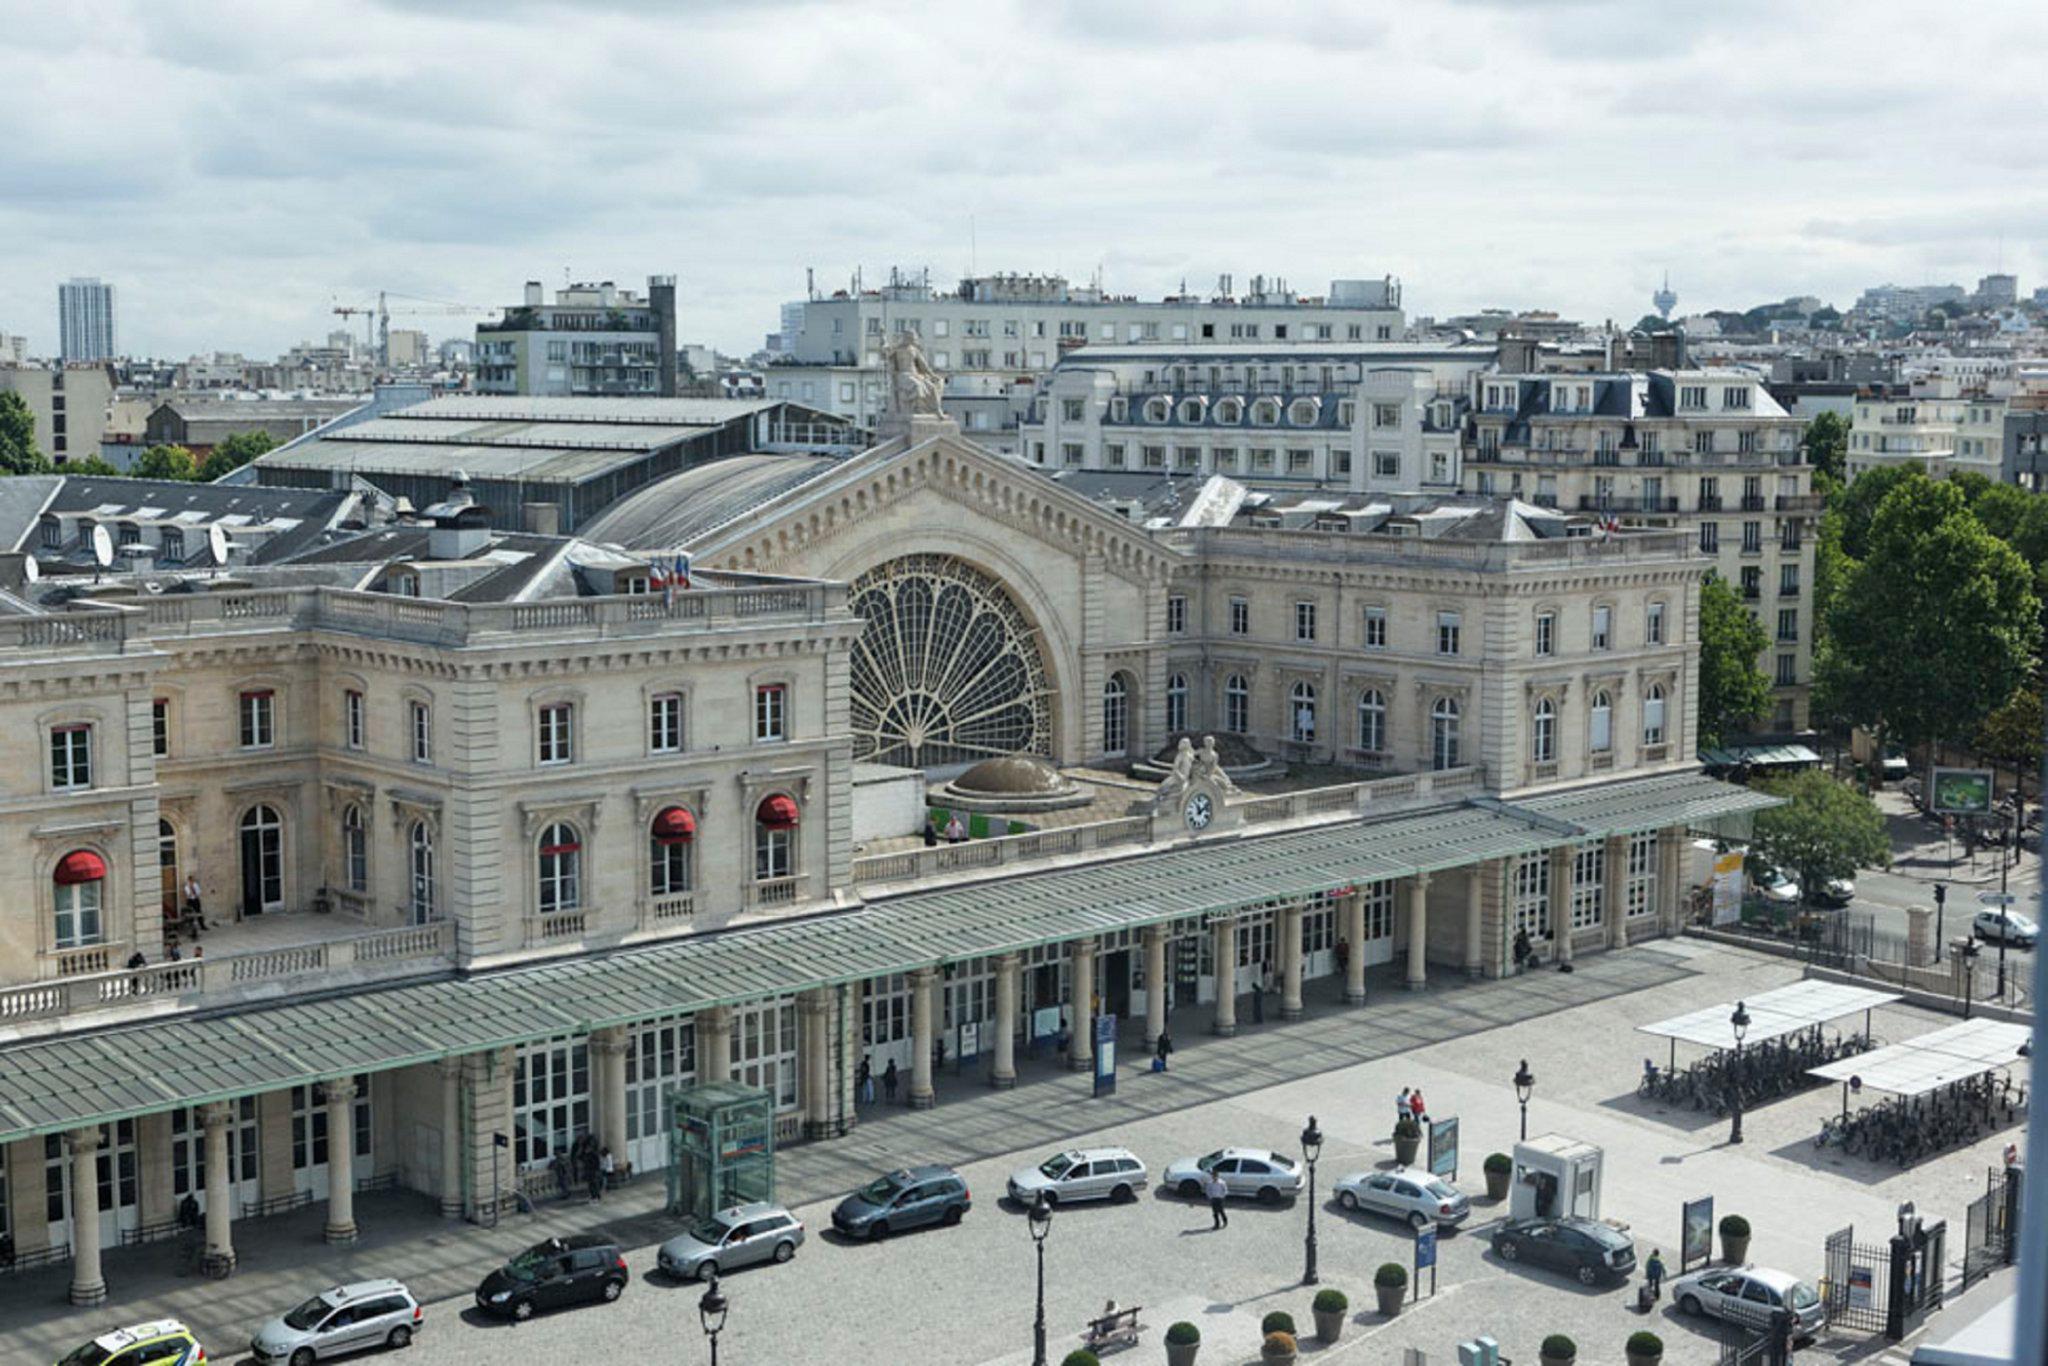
{"x": 1961, "y": 791}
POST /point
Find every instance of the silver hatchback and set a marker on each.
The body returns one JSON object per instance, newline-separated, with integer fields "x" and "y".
{"x": 739, "y": 1236}
{"x": 348, "y": 1318}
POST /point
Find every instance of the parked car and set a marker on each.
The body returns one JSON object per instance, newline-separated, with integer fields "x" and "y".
{"x": 742, "y": 1235}
{"x": 1588, "y": 1249}
{"x": 1773, "y": 885}
{"x": 348, "y": 1318}
{"x": 1417, "y": 1197}
{"x": 1749, "y": 1295}
{"x": 1835, "y": 893}
{"x": 2010, "y": 927}
{"x": 580, "y": 1269}
{"x": 1080, "y": 1174}
{"x": 161, "y": 1342}
{"x": 1895, "y": 766}
{"x": 909, "y": 1198}
{"x": 1250, "y": 1173}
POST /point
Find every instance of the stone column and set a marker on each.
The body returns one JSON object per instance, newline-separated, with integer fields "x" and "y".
{"x": 341, "y": 1161}
{"x": 1223, "y": 933}
{"x": 88, "y": 1286}
{"x": 1290, "y": 962}
{"x": 1919, "y": 936}
{"x": 451, "y": 1137}
{"x": 813, "y": 1017}
{"x": 1418, "y": 931}
{"x": 1156, "y": 985}
{"x": 1671, "y": 880}
{"x": 1081, "y": 996}
{"x": 714, "y": 1044}
{"x": 1004, "y": 1075}
{"x": 220, "y": 1182}
{"x": 923, "y": 1029}
{"x": 1614, "y": 891}
{"x": 608, "y": 1048}
{"x": 1475, "y": 918}
{"x": 1561, "y": 902}
{"x": 1354, "y": 934}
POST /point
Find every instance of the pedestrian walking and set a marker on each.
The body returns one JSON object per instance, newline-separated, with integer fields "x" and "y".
{"x": 593, "y": 1176}
{"x": 1217, "y": 1189}
{"x": 889, "y": 1081}
{"x": 864, "y": 1082}
{"x": 1653, "y": 1272}
{"x": 1162, "y": 1051}
{"x": 1418, "y": 1109}
{"x": 606, "y": 1166}
{"x": 1401, "y": 1108}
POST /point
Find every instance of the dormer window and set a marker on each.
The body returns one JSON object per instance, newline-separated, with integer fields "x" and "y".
{"x": 405, "y": 583}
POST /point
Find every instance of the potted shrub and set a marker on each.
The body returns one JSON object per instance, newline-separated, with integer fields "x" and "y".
{"x": 1080, "y": 1356}
{"x": 1558, "y": 1350}
{"x": 1390, "y": 1285}
{"x": 1279, "y": 1321}
{"x": 1330, "y": 1307}
{"x": 1183, "y": 1340}
{"x": 1278, "y": 1348}
{"x": 1407, "y": 1137}
{"x": 1499, "y": 1167}
{"x": 1645, "y": 1349}
{"x": 1734, "y": 1239}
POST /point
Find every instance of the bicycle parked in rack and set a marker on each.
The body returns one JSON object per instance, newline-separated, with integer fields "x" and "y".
{"x": 1761, "y": 1072}
{"x": 1905, "y": 1129}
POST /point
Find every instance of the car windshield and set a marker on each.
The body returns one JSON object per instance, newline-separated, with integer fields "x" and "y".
{"x": 709, "y": 1231}
{"x": 1056, "y": 1167}
{"x": 308, "y": 1315}
{"x": 881, "y": 1190}
{"x": 1804, "y": 1296}
{"x": 92, "y": 1354}
{"x": 1208, "y": 1164}
{"x": 531, "y": 1264}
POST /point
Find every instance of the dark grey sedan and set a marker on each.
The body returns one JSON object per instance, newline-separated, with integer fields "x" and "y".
{"x": 912, "y": 1197}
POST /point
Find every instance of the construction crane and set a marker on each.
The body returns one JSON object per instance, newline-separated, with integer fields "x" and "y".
{"x": 383, "y": 313}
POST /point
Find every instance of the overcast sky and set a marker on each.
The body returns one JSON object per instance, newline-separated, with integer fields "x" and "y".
{"x": 238, "y": 168}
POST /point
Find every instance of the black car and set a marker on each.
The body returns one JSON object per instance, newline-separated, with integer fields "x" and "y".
{"x": 577, "y": 1270}
{"x": 1588, "y": 1249}
{"x": 907, "y": 1198}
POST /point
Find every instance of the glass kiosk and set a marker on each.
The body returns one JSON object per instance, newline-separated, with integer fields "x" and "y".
{"x": 721, "y": 1147}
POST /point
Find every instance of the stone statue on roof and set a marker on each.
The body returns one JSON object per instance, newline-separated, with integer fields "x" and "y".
{"x": 1209, "y": 766}
{"x": 914, "y": 387}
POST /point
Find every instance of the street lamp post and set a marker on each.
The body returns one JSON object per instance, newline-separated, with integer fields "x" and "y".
{"x": 1525, "y": 1082}
{"x": 711, "y": 1313}
{"x": 1739, "y": 1022}
{"x": 1311, "y": 1149}
{"x": 1040, "y": 1223}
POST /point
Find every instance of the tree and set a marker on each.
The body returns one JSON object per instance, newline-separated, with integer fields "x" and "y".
{"x": 166, "y": 462}
{"x": 18, "y": 453}
{"x": 1938, "y": 624}
{"x": 1857, "y": 504}
{"x": 90, "y": 464}
{"x": 2002, "y": 508}
{"x": 1825, "y": 444}
{"x": 235, "y": 452}
{"x": 1733, "y": 690}
{"x": 1825, "y": 830}
{"x": 2013, "y": 734}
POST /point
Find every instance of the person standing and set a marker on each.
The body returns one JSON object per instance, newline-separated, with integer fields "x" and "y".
{"x": 956, "y": 831}
{"x": 1418, "y": 1109}
{"x": 931, "y": 832}
{"x": 1259, "y": 995}
{"x": 1218, "y": 1190}
{"x": 864, "y": 1082}
{"x": 607, "y": 1165}
{"x": 593, "y": 1176}
{"x": 1653, "y": 1272}
{"x": 1163, "y": 1051}
{"x": 889, "y": 1082}
{"x": 1401, "y": 1107}
{"x": 193, "y": 910}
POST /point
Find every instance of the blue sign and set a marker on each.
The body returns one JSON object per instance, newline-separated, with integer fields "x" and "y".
{"x": 1425, "y": 1248}
{"x": 1105, "y": 1055}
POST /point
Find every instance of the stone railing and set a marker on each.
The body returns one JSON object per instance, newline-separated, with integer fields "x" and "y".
{"x": 665, "y": 910}
{"x": 773, "y": 891}
{"x": 191, "y": 981}
{"x": 1346, "y": 547}
{"x": 1347, "y": 799}
{"x": 556, "y": 925}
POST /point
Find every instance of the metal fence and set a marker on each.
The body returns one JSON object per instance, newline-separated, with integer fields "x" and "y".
{"x": 1856, "y": 1288}
{"x": 1989, "y": 1225}
{"x": 1750, "y": 1349}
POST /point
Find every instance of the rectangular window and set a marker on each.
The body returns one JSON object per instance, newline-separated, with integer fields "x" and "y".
{"x": 1703, "y": 443}
{"x": 1447, "y": 632}
{"x": 1226, "y": 457}
{"x": 1262, "y": 459}
{"x": 1589, "y": 886}
{"x": 1788, "y": 580}
{"x": 1532, "y": 895}
{"x": 1692, "y": 396}
{"x": 1305, "y": 621}
{"x": 1385, "y": 415}
{"x": 771, "y": 713}
{"x": 665, "y": 723}
{"x": 1375, "y": 628}
{"x": 1653, "y": 625}
{"x": 1113, "y": 455}
{"x": 420, "y": 723}
{"x": 1546, "y": 633}
{"x": 1300, "y": 461}
{"x": 1710, "y": 538}
{"x": 1070, "y": 452}
{"x": 1176, "y": 615}
{"x": 1788, "y": 623}
{"x": 1155, "y": 457}
{"x": 1603, "y": 627}
{"x": 70, "y": 757}
{"x": 1240, "y": 617}
{"x": 557, "y": 733}
{"x": 1639, "y": 890}
{"x": 1386, "y": 464}
{"x": 259, "y": 719}
{"x": 352, "y": 719}
{"x": 160, "y": 727}
{"x": 1072, "y": 408}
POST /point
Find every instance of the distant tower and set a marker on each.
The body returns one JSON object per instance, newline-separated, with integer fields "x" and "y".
{"x": 1665, "y": 299}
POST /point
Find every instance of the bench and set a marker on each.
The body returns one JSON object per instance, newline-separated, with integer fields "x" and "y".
{"x": 1116, "y": 1329}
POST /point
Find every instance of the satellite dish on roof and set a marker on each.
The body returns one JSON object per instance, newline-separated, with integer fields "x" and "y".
{"x": 30, "y": 570}
{"x": 217, "y": 543}
{"x": 102, "y": 547}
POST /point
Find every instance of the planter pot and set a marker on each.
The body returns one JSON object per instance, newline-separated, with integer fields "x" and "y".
{"x": 1638, "y": 1359}
{"x": 1329, "y": 1326}
{"x": 1404, "y": 1150}
{"x": 1735, "y": 1251}
{"x": 1276, "y": 1358}
{"x": 1549, "y": 1360}
{"x": 1182, "y": 1353}
{"x": 1497, "y": 1185}
{"x": 1391, "y": 1298}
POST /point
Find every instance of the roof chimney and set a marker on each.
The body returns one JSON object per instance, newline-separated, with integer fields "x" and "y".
{"x": 534, "y": 298}
{"x": 461, "y": 527}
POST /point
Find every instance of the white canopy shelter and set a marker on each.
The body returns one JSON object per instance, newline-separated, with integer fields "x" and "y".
{"x": 1772, "y": 1015}
{"x": 1935, "y": 1060}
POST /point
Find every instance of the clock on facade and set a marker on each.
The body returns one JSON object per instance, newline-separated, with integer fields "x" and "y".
{"x": 1199, "y": 811}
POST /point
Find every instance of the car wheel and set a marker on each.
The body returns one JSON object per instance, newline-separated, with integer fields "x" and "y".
{"x": 302, "y": 1357}
{"x": 1051, "y": 1198}
{"x": 400, "y": 1339}
{"x": 1507, "y": 1250}
{"x": 1191, "y": 1189}
{"x": 612, "y": 1290}
{"x": 1690, "y": 1305}
{"x": 1122, "y": 1195}
{"x": 1268, "y": 1196}
{"x": 952, "y": 1215}
{"x": 706, "y": 1270}
{"x": 522, "y": 1310}
{"x": 878, "y": 1230}
{"x": 1589, "y": 1275}
{"x": 1347, "y": 1199}
{"x": 1418, "y": 1221}
{"x": 784, "y": 1251}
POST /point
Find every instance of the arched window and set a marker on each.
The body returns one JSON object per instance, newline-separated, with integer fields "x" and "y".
{"x": 79, "y": 879}
{"x": 1372, "y": 721}
{"x": 355, "y": 850}
{"x": 668, "y": 847}
{"x": 1653, "y": 715}
{"x": 1600, "y": 727}
{"x": 1302, "y": 712}
{"x": 775, "y": 822}
{"x": 262, "y": 831}
{"x": 1116, "y": 715}
{"x": 1191, "y": 410}
{"x": 1157, "y": 410}
{"x": 1443, "y": 733}
{"x": 1302, "y": 412}
{"x": 561, "y": 868}
{"x": 1237, "y": 705}
{"x": 421, "y": 846}
{"x": 1543, "y": 733}
{"x": 1266, "y": 413}
{"x": 1230, "y": 410}
{"x": 1176, "y": 704}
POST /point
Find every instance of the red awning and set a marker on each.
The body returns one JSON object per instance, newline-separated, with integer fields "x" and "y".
{"x": 675, "y": 826}
{"x": 80, "y": 865}
{"x": 777, "y": 813}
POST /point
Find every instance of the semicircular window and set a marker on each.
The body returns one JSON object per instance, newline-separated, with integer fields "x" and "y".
{"x": 947, "y": 671}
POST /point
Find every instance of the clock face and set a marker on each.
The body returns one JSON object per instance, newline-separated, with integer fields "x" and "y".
{"x": 1200, "y": 811}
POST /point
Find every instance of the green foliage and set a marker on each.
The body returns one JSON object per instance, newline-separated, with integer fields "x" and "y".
{"x": 1080, "y": 1356}
{"x": 1825, "y": 444}
{"x": 1856, "y": 505}
{"x": 1733, "y": 689}
{"x": 1279, "y": 1321}
{"x": 166, "y": 462}
{"x": 90, "y": 464}
{"x": 1331, "y": 1302}
{"x": 1391, "y": 1275}
{"x": 2012, "y": 734}
{"x": 18, "y": 453}
{"x": 1406, "y": 1127}
{"x": 1734, "y": 1226}
{"x": 1643, "y": 1343}
{"x": 1499, "y": 1162}
{"x": 1559, "y": 1347}
{"x": 1183, "y": 1334}
{"x": 1937, "y": 625}
{"x": 235, "y": 452}
{"x": 1826, "y": 829}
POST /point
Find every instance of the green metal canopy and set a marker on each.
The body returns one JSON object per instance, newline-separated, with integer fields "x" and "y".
{"x": 70, "y": 1081}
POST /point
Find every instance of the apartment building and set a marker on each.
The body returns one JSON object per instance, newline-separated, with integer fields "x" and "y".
{"x": 594, "y": 339}
{"x": 70, "y": 404}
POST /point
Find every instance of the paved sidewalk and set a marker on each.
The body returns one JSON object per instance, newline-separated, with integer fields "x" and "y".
{"x": 1920, "y": 851}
